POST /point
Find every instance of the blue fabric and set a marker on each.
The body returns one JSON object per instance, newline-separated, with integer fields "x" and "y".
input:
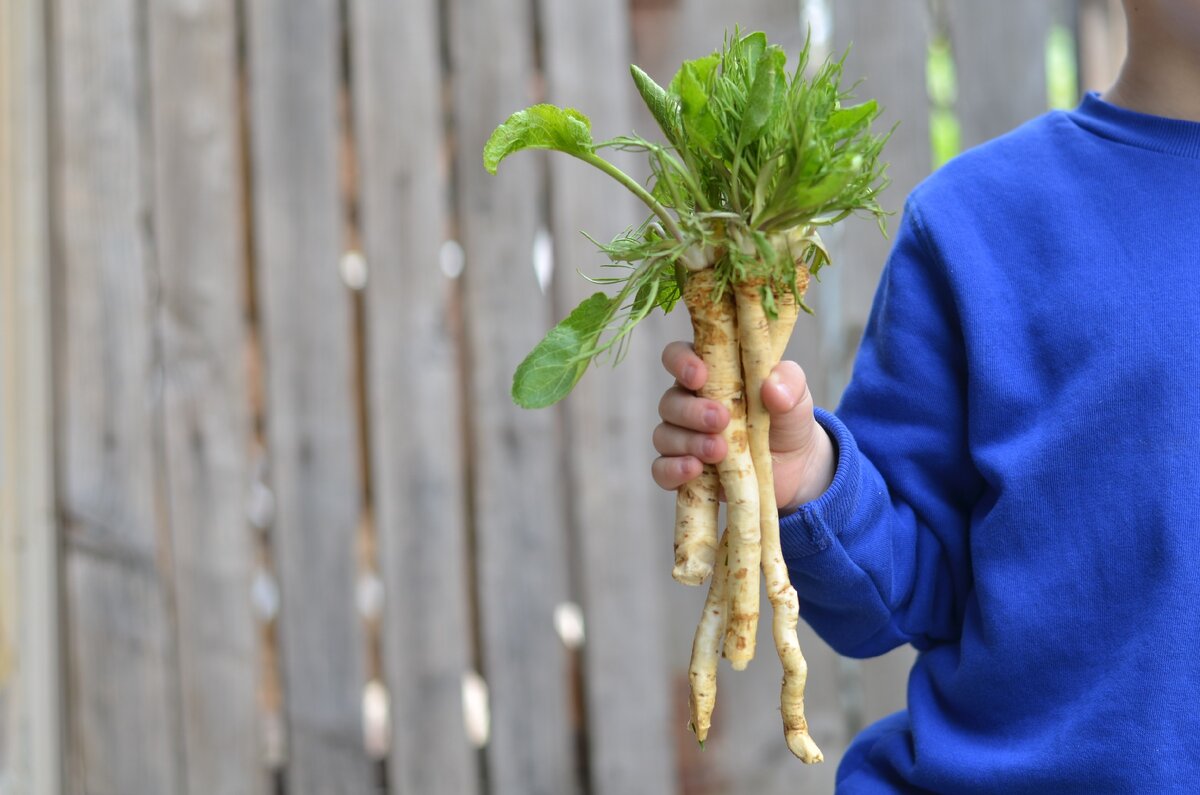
{"x": 1018, "y": 470}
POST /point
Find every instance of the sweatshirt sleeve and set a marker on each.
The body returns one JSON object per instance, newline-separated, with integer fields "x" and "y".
{"x": 881, "y": 558}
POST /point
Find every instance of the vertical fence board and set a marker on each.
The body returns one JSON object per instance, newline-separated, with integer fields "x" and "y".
{"x": 414, "y": 395}
{"x": 30, "y": 698}
{"x": 1000, "y": 61}
{"x": 890, "y": 45}
{"x": 312, "y": 431}
{"x": 609, "y": 419}
{"x": 124, "y": 733}
{"x": 198, "y": 225}
{"x": 517, "y": 481}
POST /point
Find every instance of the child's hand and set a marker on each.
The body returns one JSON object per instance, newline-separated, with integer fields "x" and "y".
{"x": 690, "y": 432}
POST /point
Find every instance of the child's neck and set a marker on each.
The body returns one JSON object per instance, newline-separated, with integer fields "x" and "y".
{"x": 1161, "y": 73}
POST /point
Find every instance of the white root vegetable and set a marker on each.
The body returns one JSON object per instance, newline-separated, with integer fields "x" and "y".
{"x": 762, "y": 343}
{"x": 706, "y": 645}
{"x": 696, "y": 513}
{"x": 715, "y": 327}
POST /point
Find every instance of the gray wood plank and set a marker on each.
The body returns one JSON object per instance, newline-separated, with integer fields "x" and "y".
{"x": 415, "y": 394}
{"x": 30, "y": 663}
{"x": 124, "y": 724}
{"x": 890, "y": 44}
{"x": 310, "y": 408}
{"x": 609, "y": 418}
{"x": 518, "y": 487}
{"x": 1000, "y": 62}
{"x": 200, "y": 243}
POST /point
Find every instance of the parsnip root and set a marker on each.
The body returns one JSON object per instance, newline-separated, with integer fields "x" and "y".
{"x": 715, "y": 326}
{"x": 740, "y": 346}
{"x": 696, "y": 510}
{"x": 760, "y": 339}
{"x": 706, "y": 645}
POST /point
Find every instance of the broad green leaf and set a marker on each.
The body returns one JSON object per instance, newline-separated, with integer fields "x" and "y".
{"x": 844, "y": 122}
{"x": 752, "y": 46}
{"x": 539, "y": 127}
{"x": 691, "y": 84}
{"x": 770, "y": 82}
{"x": 664, "y": 107}
{"x": 552, "y": 369}
{"x": 816, "y": 195}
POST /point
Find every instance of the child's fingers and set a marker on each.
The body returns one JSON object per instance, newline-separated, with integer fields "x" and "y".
{"x": 671, "y": 472}
{"x": 671, "y": 440}
{"x": 681, "y": 361}
{"x": 785, "y": 395}
{"x": 680, "y": 407}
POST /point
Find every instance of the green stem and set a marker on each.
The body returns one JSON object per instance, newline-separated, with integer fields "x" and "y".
{"x": 636, "y": 189}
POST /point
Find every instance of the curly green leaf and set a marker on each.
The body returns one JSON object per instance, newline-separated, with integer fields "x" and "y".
{"x": 539, "y": 127}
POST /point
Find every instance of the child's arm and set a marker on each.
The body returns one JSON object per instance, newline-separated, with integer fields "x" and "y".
{"x": 881, "y": 558}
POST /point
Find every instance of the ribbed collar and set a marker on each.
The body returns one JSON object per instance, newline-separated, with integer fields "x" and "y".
{"x": 1157, "y": 133}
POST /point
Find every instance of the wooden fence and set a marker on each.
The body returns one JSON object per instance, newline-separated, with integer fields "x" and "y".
{"x": 270, "y": 522}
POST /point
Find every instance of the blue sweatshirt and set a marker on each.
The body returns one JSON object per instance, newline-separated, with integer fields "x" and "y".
{"x": 1017, "y": 491}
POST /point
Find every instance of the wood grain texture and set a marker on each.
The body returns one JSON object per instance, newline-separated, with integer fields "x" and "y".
{"x": 1000, "y": 61}
{"x": 516, "y": 474}
{"x": 30, "y": 681}
{"x": 200, "y": 242}
{"x": 311, "y": 423}
{"x": 124, "y": 733}
{"x": 609, "y": 419}
{"x": 890, "y": 44}
{"x": 415, "y": 394}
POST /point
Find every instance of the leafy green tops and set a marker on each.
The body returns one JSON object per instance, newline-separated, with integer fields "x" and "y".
{"x": 755, "y": 161}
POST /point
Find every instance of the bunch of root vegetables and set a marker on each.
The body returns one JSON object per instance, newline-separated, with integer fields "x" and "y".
{"x": 757, "y": 160}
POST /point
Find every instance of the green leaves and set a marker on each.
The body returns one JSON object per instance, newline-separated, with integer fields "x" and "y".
{"x": 756, "y": 159}
{"x": 691, "y": 85}
{"x": 663, "y": 107}
{"x": 846, "y": 122}
{"x": 552, "y": 369}
{"x": 539, "y": 127}
{"x": 766, "y": 93}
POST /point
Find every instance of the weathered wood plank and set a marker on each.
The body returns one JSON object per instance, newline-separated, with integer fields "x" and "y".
{"x": 1000, "y": 61}
{"x": 312, "y": 432}
{"x": 609, "y": 418}
{"x": 517, "y": 483}
{"x": 414, "y": 389}
{"x": 890, "y": 44}
{"x": 198, "y": 224}
{"x": 124, "y": 722}
{"x": 30, "y": 686}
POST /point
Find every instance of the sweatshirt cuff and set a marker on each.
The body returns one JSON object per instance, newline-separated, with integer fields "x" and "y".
{"x": 811, "y": 527}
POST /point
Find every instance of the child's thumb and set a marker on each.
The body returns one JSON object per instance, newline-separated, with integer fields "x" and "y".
{"x": 785, "y": 395}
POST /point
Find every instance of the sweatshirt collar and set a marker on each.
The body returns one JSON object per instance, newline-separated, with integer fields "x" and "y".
{"x": 1157, "y": 133}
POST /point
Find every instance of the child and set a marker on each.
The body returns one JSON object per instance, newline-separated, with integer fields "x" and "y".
{"x": 1012, "y": 481}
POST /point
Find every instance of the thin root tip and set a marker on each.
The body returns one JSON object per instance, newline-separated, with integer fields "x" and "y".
{"x": 805, "y": 749}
